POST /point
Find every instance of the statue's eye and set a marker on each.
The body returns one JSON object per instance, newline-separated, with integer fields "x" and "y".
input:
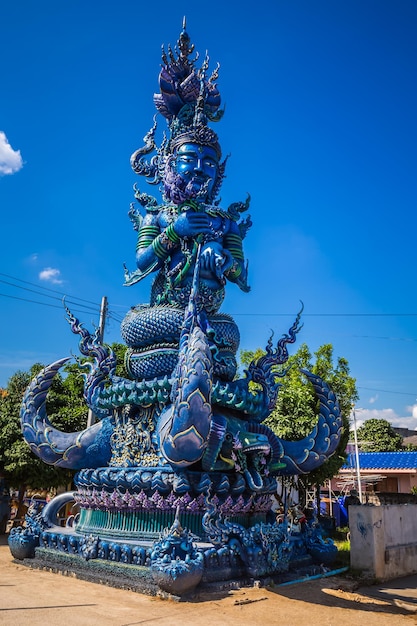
{"x": 185, "y": 158}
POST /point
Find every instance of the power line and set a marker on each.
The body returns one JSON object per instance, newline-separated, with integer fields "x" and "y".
{"x": 54, "y": 306}
{"x": 400, "y": 393}
{"x": 236, "y": 314}
{"x": 376, "y": 337}
{"x": 68, "y": 299}
{"x": 45, "y": 295}
{"x": 114, "y": 316}
{"x": 86, "y": 309}
{"x": 45, "y": 288}
{"x": 327, "y": 314}
{"x": 117, "y": 318}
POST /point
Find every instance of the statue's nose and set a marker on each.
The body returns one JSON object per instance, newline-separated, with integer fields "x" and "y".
{"x": 199, "y": 166}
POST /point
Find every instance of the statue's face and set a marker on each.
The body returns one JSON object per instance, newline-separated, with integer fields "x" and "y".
{"x": 197, "y": 166}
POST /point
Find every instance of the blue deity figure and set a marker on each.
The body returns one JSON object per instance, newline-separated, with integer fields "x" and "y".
{"x": 170, "y": 235}
{"x": 169, "y": 238}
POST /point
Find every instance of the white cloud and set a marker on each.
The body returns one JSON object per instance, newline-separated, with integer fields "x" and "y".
{"x": 10, "y": 160}
{"x": 373, "y": 399}
{"x": 406, "y": 421}
{"x": 51, "y": 275}
{"x": 413, "y": 410}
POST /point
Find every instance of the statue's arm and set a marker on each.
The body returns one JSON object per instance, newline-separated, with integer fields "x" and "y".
{"x": 238, "y": 270}
{"x": 155, "y": 243}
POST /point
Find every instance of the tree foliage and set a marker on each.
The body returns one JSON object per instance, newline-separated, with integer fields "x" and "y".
{"x": 66, "y": 410}
{"x": 377, "y": 435}
{"x": 297, "y": 407}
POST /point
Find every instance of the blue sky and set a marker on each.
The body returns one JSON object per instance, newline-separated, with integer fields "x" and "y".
{"x": 321, "y": 124}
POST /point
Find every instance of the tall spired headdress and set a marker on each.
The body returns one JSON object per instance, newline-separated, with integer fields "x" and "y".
{"x": 188, "y": 101}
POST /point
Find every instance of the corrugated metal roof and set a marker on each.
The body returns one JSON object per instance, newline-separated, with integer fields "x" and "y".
{"x": 384, "y": 460}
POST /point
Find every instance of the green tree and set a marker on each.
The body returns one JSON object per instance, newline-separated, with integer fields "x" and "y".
{"x": 120, "y": 350}
{"x": 66, "y": 410}
{"x": 21, "y": 467}
{"x": 297, "y": 407}
{"x": 377, "y": 435}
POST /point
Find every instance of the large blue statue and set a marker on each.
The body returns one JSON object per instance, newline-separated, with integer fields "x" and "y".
{"x": 181, "y": 442}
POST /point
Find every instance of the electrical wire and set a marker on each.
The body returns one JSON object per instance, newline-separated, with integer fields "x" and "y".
{"x": 42, "y": 287}
{"x": 95, "y": 309}
{"x": 54, "y": 306}
{"x": 116, "y": 317}
{"x": 400, "y": 393}
{"x": 327, "y": 314}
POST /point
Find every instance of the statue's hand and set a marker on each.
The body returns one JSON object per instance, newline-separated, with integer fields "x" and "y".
{"x": 191, "y": 224}
{"x": 227, "y": 261}
{"x": 213, "y": 260}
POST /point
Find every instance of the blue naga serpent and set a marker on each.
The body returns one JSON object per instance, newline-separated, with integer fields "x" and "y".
{"x": 196, "y": 423}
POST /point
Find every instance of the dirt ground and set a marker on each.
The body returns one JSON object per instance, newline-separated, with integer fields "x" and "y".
{"x": 38, "y": 597}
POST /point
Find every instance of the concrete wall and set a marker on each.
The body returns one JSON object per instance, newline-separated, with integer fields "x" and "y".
{"x": 383, "y": 539}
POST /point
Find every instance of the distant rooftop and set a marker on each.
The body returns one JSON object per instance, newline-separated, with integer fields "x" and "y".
{"x": 405, "y": 432}
{"x": 385, "y": 461}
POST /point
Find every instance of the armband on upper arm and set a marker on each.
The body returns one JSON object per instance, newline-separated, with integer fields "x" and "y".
{"x": 146, "y": 236}
{"x": 233, "y": 243}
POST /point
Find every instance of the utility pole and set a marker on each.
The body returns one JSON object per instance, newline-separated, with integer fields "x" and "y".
{"x": 102, "y": 322}
{"x": 91, "y": 419}
{"x": 358, "y": 469}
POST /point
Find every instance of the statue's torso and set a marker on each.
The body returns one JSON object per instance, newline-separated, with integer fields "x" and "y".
{"x": 173, "y": 283}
